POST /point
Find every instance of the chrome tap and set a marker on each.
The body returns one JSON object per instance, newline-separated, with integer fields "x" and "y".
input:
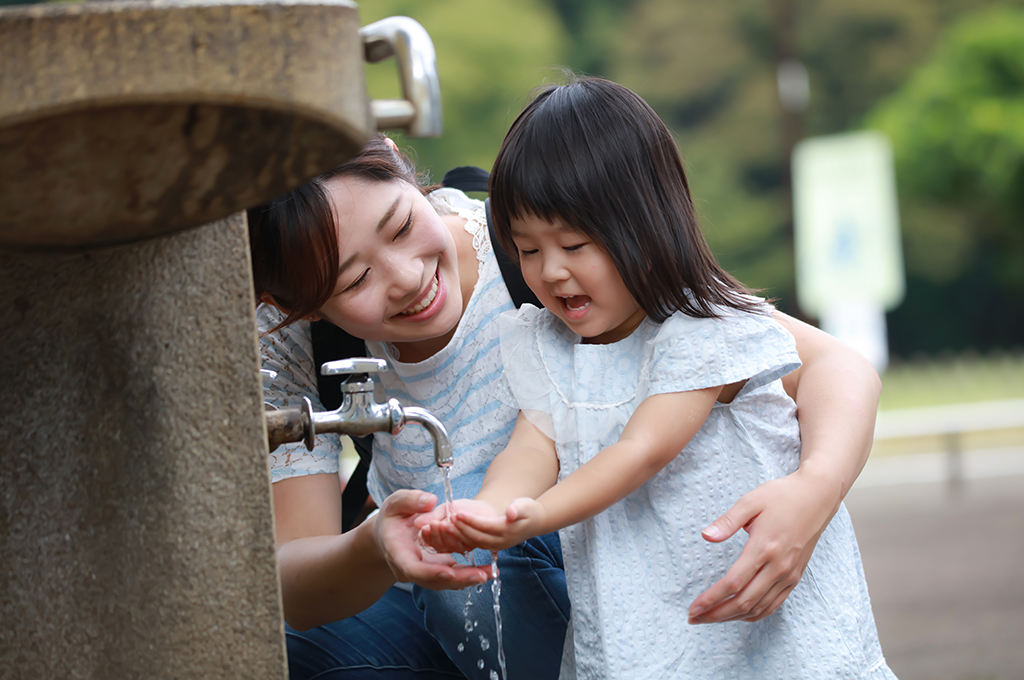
{"x": 359, "y": 414}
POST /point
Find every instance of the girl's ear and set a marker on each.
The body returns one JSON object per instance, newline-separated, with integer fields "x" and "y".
{"x": 268, "y": 299}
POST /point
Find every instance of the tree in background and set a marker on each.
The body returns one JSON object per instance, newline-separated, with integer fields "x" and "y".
{"x": 709, "y": 70}
{"x": 957, "y": 127}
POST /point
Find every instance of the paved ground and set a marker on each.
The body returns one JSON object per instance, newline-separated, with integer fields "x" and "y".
{"x": 946, "y": 572}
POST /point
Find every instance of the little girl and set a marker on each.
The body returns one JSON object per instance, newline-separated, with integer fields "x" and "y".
{"x": 649, "y": 398}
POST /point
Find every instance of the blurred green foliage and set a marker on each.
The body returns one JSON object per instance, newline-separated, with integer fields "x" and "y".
{"x": 709, "y": 70}
{"x": 957, "y": 126}
{"x": 489, "y": 56}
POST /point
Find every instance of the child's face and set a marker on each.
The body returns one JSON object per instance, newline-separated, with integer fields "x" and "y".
{"x": 399, "y": 278}
{"x": 576, "y": 280}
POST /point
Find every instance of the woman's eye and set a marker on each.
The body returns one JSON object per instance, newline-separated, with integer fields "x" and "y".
{"x": 405, "y": 227}
{"x": 358, "y": 282}
{"x": 526, "y": 251}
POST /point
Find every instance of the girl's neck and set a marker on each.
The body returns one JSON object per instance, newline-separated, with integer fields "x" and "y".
{"x": 421, "y": 350}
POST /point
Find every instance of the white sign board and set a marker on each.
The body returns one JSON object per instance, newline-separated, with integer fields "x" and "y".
{"x": 846, "y": 222}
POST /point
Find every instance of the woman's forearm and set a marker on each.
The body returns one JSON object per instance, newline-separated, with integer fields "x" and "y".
{"x": 327, "y": 578}
{"x": 836, "y": 391}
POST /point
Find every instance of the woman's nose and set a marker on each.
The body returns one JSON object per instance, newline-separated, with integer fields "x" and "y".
{"x": 405, "y": 275}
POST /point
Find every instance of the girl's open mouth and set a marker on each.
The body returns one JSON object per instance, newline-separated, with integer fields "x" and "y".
{"x": 576, "y": 305}
{"x": 429, "y": 303}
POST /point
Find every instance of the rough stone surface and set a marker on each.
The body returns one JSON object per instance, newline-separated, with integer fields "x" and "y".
{"x": 136, "y": 530}
{"x": 124, "y": 120}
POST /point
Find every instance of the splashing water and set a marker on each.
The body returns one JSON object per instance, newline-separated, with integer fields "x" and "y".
{"x": 496, "y": 594}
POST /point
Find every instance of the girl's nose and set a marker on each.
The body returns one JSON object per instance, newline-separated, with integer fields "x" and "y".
{"x": 553, "y": 269}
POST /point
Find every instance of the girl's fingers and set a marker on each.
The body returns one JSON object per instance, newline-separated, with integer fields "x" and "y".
{"x": 489, "y": 525}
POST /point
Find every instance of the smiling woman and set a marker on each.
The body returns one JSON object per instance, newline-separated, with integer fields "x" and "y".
{"x": 415, "y": 274}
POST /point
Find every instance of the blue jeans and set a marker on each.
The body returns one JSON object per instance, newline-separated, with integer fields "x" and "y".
{"x": 534, "y": 614}
{"x": 388, "y": 640}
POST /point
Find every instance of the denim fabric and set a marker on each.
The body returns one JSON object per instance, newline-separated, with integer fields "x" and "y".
{"x": 534, "y": 614}
{"x": 387, "y": 640}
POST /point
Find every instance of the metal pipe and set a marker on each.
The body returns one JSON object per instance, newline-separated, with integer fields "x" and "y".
{"x": 442, "y": 444}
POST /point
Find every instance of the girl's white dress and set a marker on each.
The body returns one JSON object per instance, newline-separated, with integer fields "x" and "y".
{"x": 634, "y": 570}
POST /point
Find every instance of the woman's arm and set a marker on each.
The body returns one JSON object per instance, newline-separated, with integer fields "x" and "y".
{"x": 327, "y": 575}
{"x": 836, "y": 391}
{"x": 657, "y": 431}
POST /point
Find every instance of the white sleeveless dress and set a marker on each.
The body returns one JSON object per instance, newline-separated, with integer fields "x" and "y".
{"x": 634, "y": 570}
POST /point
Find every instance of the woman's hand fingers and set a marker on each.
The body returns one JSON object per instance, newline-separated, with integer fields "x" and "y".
{"x": 397, "y": 539}
{"x": 784, "y": 518}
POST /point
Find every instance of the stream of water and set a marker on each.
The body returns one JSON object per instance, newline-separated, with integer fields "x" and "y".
{"x": 485, "y": 644}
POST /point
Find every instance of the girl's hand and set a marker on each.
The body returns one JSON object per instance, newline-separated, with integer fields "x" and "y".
{"x": 522, "y": 520}
{"x": 785, "y": 518}
{"x": 446, "y": 536}
{"x": 396, "y": 535}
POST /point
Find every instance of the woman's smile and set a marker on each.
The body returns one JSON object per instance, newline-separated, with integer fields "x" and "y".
{"x": 428, "y": 304}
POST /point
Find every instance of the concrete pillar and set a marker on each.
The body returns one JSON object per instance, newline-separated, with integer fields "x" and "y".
{"x": 136, "y": 533}
{"x": 136, "y": 530}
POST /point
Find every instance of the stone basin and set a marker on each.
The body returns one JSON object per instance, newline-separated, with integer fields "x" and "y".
{"x": 121, "y": 121}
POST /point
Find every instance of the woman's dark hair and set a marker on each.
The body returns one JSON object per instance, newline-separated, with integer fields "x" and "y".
{"x": 595, "y": 156}
{"x": 293, "y": 239}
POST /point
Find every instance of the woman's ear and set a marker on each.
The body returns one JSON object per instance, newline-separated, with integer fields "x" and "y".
{"x": 267, "y": 298}
{"x": 390, "y": 142}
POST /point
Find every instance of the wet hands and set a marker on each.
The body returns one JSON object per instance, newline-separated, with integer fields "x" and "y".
{"x": 476, "y": 524}
{"x": 396, "y": 533}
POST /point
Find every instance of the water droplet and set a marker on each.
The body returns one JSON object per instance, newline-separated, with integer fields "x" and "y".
{"x": 469, "y": 626}
{"x": 479, "y": 588}
{"x": 476, "y": 623}
{"x": 485, "y": 644}
{"x": 461, "y": 647}
{"x": 494, "y": 674}
{"x": 480, "y": 664}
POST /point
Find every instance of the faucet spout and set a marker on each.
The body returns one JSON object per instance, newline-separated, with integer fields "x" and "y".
{"x": 442, "y": 444}
{"x": 359, "y": 414}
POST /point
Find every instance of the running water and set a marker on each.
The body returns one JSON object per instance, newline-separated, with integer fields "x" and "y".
{"x": 496, "y": 596}
{"x": 446, "y": 474}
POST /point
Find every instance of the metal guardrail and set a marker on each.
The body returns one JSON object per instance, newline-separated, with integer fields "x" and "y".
{"x": 950, "y": 423}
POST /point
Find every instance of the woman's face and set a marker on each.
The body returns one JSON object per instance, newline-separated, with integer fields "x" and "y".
{"x": 398, "y": 279}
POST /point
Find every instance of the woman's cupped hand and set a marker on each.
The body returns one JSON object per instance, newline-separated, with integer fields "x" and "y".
{"x": 397, "y": 534}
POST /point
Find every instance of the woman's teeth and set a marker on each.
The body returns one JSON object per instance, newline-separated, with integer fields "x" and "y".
{"x": 425, "y": 302}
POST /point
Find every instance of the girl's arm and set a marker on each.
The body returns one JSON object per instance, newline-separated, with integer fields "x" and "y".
{"x": 836, "y": 391}
{"x": 327, "y": 575}
{"x": 658, "y": 430}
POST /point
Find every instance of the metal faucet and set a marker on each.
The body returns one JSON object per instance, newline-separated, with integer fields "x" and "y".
{"x": 358, "y": 414}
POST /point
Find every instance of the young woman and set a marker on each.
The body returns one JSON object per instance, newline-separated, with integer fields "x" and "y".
{"x": 414, "y": 274}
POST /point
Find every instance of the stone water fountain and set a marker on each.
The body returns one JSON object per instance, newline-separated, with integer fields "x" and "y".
{"x": 136, "y": 532}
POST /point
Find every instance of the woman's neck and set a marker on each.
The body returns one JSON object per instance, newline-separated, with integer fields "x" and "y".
{"x": 421, "y": 350}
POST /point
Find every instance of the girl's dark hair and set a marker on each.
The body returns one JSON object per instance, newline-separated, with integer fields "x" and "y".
{"x": 293, "y": 238}
{"x": 595, "y": 156}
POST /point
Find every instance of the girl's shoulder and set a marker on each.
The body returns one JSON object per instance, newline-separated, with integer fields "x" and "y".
{"x": 694, "y": 353}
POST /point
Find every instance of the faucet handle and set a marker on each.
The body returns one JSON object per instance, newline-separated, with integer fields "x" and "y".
{"x": 358, "y": 367}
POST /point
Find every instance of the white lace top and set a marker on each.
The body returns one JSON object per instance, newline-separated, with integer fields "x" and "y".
{"x": 633, "y": 570}
{"x": 461, "y": 385}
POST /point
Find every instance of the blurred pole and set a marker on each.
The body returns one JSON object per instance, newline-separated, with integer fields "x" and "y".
{"x": 794, "y": 96}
